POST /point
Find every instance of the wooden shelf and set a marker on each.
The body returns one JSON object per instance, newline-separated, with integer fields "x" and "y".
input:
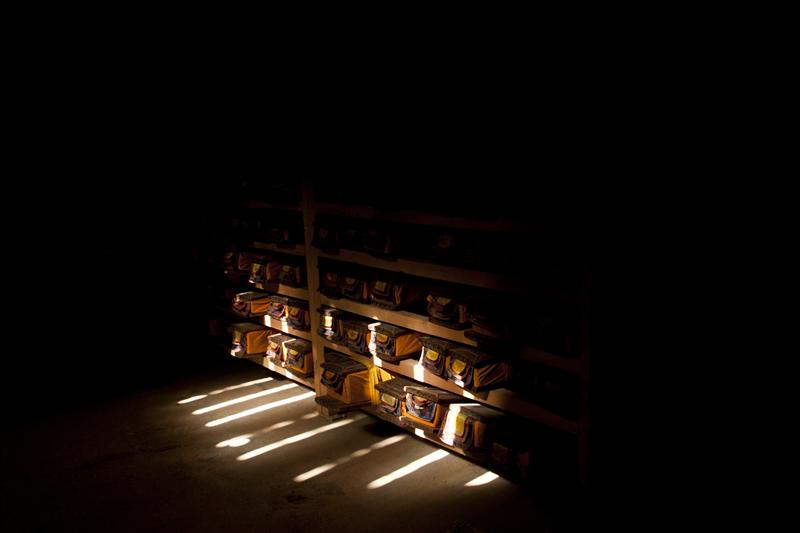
{"x": 475, "y": 278}
{"x": 403, "y": 319}
{"x": 286, "y": 290}
{"x": 419, "y": 217}
{"x": 364, "y": 359}
{"x": 277, "y": 288}
{"x": 271, "y": 323}
{"x": 543, "y": 288}
{"x": 254, "y": 357}
{"x": 423, "y": 434}
{"x": 261, "y": 204}
{"x": 239, "y": 318}
{"x": 262, "y": 360}
{"x": 284, "y": 327}
{"x": 292, "y": 249}
{"x": 503, "y": 399}
{"x": 307, "y": 382}
{"x": 534, "y": 355}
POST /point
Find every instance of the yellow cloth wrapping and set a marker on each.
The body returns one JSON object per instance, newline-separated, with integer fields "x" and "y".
{"x": 356, "y": 388}
{"x": 259, "y": 307}
{"x": 254, "y": 341}
{"x": 377, "y": 375}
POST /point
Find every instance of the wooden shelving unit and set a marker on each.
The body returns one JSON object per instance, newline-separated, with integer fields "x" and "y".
{"x": 502, "y": 399}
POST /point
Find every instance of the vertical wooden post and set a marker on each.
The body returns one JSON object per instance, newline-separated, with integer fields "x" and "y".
{"x": 312, "y": 275}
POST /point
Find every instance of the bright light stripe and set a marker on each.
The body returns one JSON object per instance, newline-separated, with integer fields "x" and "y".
{"x": 296, "y": 438}
{"x": 244, "y": 398}
{"x": 241, "y": 440}
{"x": 309, "y": 416}
{"x": 387, "y": 442}
{"x": 219, "y": 391}
{"x": 240, "y": 386}
{"x": 358, "y": 453}
{"x": 419, "y": 373}
{"x": 408, "y": 469}
{"x": 193, "y": 399}
{"x": 235, "y": 442}
{"x": 483, "y": 479}
{"x": 260, "y": 409}
{"x": 278, "y": 426}
{"x": 315, "y": 472}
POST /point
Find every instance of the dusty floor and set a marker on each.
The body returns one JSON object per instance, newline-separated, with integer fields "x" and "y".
{"x": 144, "y": 461}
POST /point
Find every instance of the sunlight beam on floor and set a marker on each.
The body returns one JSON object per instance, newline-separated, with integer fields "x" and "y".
{"x": 260, "y": 409}
{"x": 243, "y": 399}
{"x": 408, "y": 469}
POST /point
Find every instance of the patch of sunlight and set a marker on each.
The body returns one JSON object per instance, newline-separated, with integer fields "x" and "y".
{"x": 483, "y": 479}
{"x": 242, "y": 399}
{"x": 295, "y": 438}
{"x": 193, "y": 399}
{"x": 240, "y": 386}
{"x": 342, "y": 460}
{"x": 260, "y": 409}
{"x": 408, "y": 469}
{"x": 235, "y": 442}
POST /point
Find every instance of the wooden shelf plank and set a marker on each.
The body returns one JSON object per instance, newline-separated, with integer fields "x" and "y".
{"x": 292, "y": 292}
{"x": 254, "y": 357}
{"x": 420, "y": 217}
{"x": 269, "y": 322}
{"x": 503, "y": 399}
{"x": 308, "y": 382}
{"x": 292, "y": 249}
{"x": 534, "y": 355}
{"x": 427, "y": 435}
{"x": 403, "y": 319}
{"x": 284, "y": 327}
{"x": 364, "y": 359}
{"x": 475, "y": 278}
{"x": 257, "y": 359}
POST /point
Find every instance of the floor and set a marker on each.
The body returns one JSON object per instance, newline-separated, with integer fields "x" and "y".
{"x": 234, "y": 448}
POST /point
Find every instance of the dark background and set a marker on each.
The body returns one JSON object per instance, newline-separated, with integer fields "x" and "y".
{"x": 109, "y": 250}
